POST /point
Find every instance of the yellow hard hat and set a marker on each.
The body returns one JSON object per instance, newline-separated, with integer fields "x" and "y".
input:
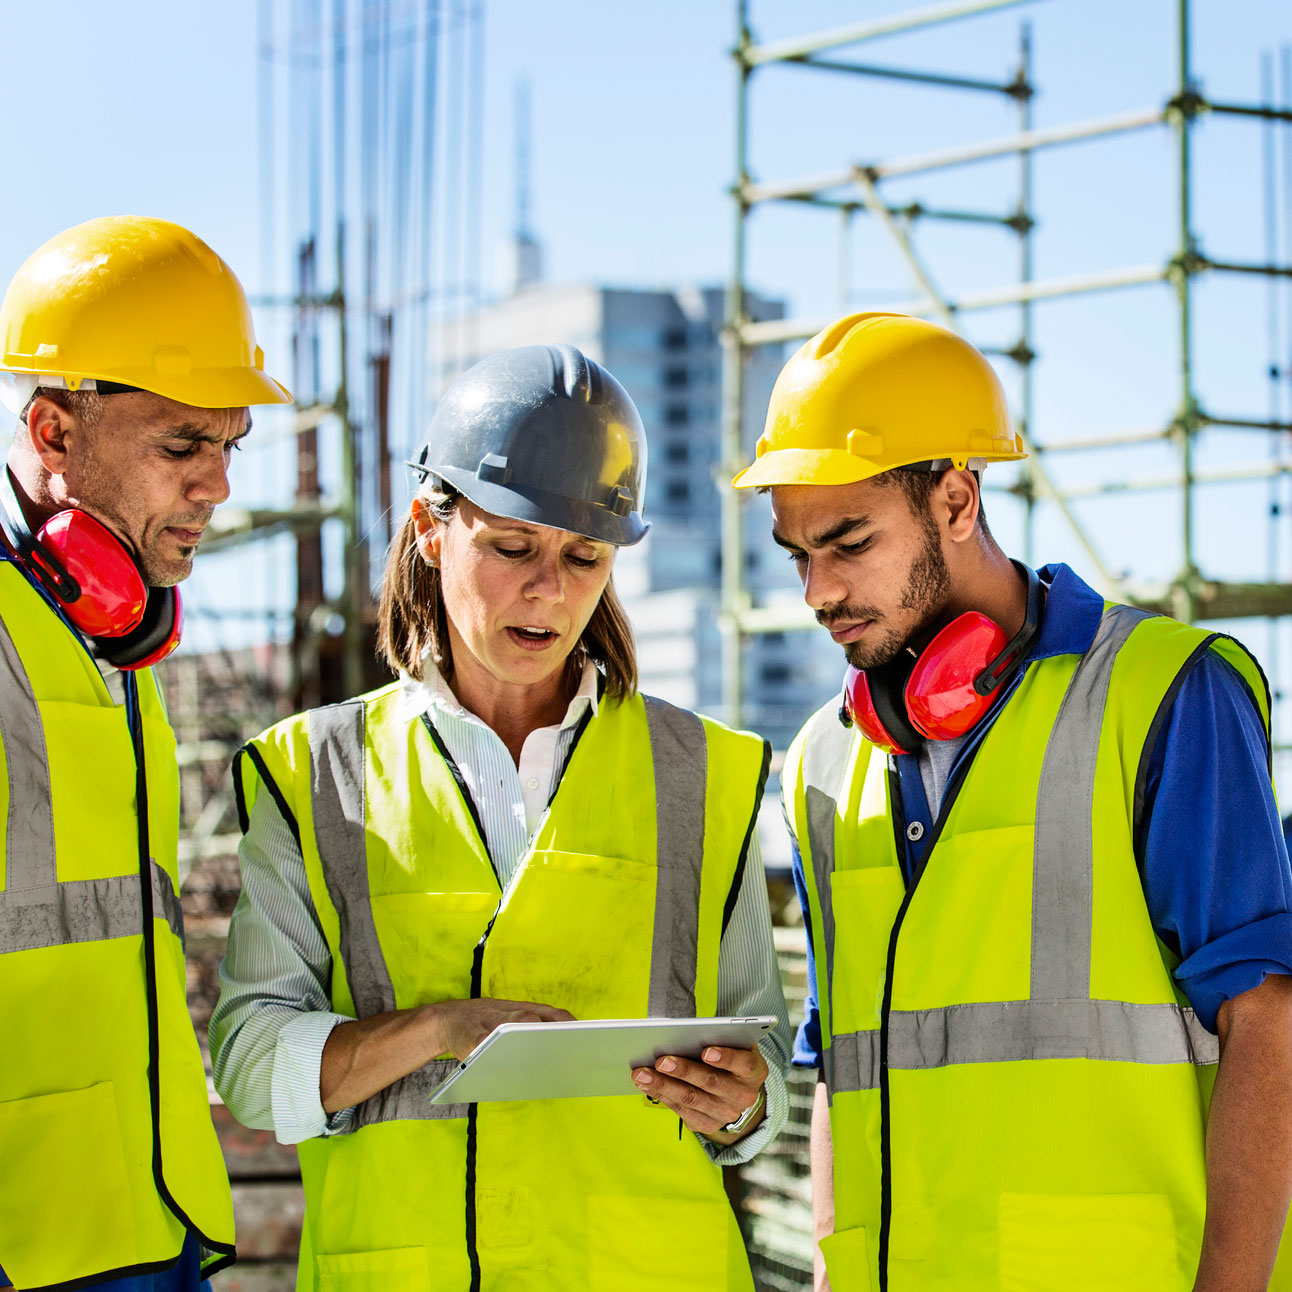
{"x": 136, "y": 302}
{"x": 876, "y": 391}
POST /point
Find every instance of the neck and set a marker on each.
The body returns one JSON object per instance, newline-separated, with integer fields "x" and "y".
{"x": 990, "y": 584}
{"x": 30, "y": 483}
{"x": 512, "y": 710}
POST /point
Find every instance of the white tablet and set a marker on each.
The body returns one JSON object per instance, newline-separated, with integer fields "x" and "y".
{"x": 581, "y": 1059}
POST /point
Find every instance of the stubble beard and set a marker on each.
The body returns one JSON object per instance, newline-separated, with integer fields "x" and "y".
{"x": 927, "y": 583}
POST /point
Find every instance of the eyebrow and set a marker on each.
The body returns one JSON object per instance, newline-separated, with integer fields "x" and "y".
{"x": 200, "y": 435}
{"x": 845, "y": 526}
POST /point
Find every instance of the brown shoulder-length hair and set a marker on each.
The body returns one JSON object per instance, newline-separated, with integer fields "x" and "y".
{"x": 411, "y": 616}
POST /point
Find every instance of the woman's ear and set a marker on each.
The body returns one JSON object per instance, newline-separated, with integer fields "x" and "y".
{"x": 430, "y": 532}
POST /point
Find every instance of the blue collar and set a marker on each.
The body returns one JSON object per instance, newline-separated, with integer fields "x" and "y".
{"x": 1071, "y": 617}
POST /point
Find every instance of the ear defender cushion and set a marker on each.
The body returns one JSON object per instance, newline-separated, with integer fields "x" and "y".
{"x": 155, "y": 636}
{"x": 872, "y": 699}
{"x": 113, "y": 595}
{"x": 940, "y": 695}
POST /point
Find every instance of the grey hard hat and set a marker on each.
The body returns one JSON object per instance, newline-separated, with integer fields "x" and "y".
{"x": 543, "y": 434}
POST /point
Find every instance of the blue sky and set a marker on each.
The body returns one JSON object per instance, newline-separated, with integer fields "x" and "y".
{"x": 151, "y": 107}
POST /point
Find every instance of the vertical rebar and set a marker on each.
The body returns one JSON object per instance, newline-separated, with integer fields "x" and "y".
{"x": 734, "y": 593}
{"x": 355, "y": 595}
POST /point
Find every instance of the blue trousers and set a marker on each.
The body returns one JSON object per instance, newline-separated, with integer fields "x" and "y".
{"x": 184, "y": 1276}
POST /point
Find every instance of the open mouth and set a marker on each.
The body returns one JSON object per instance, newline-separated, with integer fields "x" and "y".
{"x": 532, "y": 638}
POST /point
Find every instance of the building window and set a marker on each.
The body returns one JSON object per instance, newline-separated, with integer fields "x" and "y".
{"x": 674, "y": 338}
{"x": 677, "y": 415}
{"x": 677, "y": 491}
{"x": 677, "y": 451}
{"x": 775, "y": 674}
{"x": 675, "y": 378}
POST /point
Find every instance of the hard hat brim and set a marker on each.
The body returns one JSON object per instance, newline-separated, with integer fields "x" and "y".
{"x": 827, "y": 467}
{"x": 538, "y": 507}
{"x": 207, "y": 387}
{"x": 807, "y": 466}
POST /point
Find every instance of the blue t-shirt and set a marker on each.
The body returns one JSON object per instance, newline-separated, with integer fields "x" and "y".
{"x": 1213, "y": 859}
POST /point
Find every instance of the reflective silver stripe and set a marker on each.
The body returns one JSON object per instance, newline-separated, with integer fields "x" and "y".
{"x": 1010, "y": 1031}
{"x": 337, "y": 760}
{"x": 826, "y": 750}
{"x": 29, "y": 833}
{"x": 405, "y": 1100}
{"x": 84, "y": 910}
{"x": 852, "y": 1063}
{"x": 1063, "y": 859}
{"x": 1014, "y": 1031}
{"x": 679, "y": 751}
{"x": 36, "y": 910}
{"x": 680, "y": 756}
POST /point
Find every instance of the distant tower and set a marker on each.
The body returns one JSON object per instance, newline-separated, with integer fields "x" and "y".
{"x": 524, "y": 256}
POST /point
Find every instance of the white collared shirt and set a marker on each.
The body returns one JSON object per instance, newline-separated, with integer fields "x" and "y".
{"x": 268, "y": 1053}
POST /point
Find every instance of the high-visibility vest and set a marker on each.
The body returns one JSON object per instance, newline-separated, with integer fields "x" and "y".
{"x": 107, "y": 1151}
{"x": 1018, "y": 1088}
{"x": 616, "y": 911}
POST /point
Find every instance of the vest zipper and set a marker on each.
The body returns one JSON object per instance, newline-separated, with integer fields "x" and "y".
{"x": 136, "y": 724}
{"x": 898, "y": 817}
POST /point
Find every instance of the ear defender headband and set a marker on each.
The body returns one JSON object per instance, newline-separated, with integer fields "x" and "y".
{"x": 945, "y": 690}
{"x": 96, "y": 581}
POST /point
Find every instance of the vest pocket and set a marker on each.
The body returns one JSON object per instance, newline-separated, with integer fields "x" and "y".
{"x": 429, "y": 938}
{"x": 1074, "y": 1242}
{"x": 65, "y": 1146}
{"x": 393, "y": 1270}
{"x": 847, "y": 1260}
{"x": 646, "y": 1244}
{"x": 865, "y": 904}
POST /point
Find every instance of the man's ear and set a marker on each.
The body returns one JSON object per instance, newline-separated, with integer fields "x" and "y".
{"x": 960, "y": 500}
{"x": 49, "y": 428}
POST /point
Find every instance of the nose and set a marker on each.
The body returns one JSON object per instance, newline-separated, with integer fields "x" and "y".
{"x": 546, "y": 582}
{"x": 210, "y": 482}
{"x": 821, "y": 588}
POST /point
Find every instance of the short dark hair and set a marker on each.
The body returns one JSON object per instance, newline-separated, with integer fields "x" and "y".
{"x": 84, "y": 404}
{"x": 918, "y": 485}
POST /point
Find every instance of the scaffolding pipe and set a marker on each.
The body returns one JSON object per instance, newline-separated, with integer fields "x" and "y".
{"x": 752, "y": 55}
{"x": 1039, "y": 474}
{"x": 772, "y": 331}
{"x": 939, "y": 79}
{"x": 1183, "y": 120}
{"x": 909, "y": 210}
{"x": 734, "y": 594}
{"x": 870, "y": 195}
{"x": 922, "y": 163}
{"x": 1024, "y": 226}
{"x": 1111, "y": 440}
{"x": 1247, "y": 110}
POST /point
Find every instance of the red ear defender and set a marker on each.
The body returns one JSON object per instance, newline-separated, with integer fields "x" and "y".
{"x": 940, "y": 694}
{"x": 112, "y": 592}
{"x": 873, "y": 709}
